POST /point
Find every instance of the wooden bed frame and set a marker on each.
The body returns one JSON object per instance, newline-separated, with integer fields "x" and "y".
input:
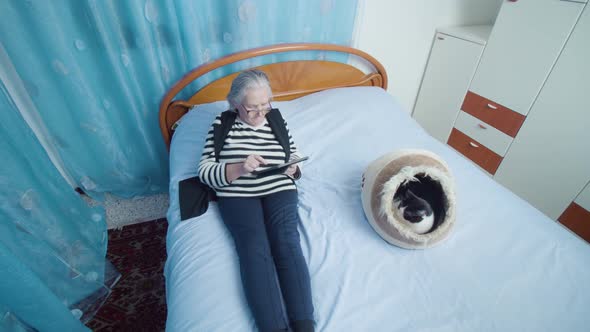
{"x": 289, "y": 80}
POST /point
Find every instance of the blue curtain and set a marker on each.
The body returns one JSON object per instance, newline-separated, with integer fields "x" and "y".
{"x": 95, "y": 71}
{"x": 53, "y": 271}
{"x": 80, "y": 84}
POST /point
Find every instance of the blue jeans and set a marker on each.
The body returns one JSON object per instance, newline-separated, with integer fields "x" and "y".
{"x": 265, "y": 234}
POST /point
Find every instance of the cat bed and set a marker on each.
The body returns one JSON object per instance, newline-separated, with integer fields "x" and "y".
{"x": 431, "y": 179}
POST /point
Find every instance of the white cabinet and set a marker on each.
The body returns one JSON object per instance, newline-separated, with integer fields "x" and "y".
{"x": 453, "y": 59}
{"x": 548, "y": 163}
{"x": 525, "y": 42}
{"x": 583, "y": 198}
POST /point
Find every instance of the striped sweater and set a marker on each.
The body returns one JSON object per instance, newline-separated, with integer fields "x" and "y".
{"x": 242, "y": 141}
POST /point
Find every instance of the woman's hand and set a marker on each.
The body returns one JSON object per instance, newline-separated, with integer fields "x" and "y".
{"x": 291, "y": 170}
{"x": 234, "y": 171}
{"x": 251, "y": 163}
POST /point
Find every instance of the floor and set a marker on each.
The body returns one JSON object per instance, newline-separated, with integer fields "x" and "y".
{"x": 121, "y": 211}
{"x": 138, "y": 300}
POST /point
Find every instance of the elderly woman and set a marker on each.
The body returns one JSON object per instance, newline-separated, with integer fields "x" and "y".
{"x": 260, "y": 211}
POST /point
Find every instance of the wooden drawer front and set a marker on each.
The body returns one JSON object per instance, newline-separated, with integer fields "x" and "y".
{"x": 482, "y": 132}
{"x": 502, "y": 118}
{"x": 577, "y": 219}
{"x": 475, "y": 151}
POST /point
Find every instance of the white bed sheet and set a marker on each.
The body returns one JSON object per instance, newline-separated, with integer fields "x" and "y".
{"x": 505, "y": 267}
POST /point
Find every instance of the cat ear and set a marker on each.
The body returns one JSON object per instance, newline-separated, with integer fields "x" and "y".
{"x": 403, "y": 194}
{"x": 410, "y": 193}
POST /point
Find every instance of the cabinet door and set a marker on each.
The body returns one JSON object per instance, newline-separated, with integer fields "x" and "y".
{"x": 548, "y": 163}
{"x": 525, "y": 42}
{"x": 583, "y": 198}
{"x": 450, "y": 68}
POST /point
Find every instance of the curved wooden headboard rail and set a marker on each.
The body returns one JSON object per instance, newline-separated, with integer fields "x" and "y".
{"x": 289, "y": 80}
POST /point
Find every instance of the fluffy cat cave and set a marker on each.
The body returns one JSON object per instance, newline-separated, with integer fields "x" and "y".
{"x": 430, "y": 180}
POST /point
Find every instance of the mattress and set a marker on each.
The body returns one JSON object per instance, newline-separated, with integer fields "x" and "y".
{"x": 505, "y": 267}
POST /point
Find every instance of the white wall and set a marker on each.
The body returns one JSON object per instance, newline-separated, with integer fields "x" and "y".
{"x": 399, "y": 34}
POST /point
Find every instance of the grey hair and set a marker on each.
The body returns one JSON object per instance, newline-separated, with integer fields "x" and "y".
{"x": 252, "y": 78}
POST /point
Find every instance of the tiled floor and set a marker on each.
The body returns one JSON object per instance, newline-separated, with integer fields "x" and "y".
{"x": 121, "y": 211}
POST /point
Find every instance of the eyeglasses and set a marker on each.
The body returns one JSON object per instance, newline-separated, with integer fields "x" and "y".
{"x": 266, "y": 108}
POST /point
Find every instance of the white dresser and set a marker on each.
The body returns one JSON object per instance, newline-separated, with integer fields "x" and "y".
{"x": 525, "y": 117}
{"x": 549, "y": 162}
{"x": 454, "y": 56}
{"x": 526, "y": 41}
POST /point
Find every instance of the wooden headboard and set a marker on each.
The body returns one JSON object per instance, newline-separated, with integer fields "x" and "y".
{"x": 289, "y": 80}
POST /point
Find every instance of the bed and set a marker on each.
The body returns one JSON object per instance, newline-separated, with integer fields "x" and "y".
{"x": 504, "y": 267}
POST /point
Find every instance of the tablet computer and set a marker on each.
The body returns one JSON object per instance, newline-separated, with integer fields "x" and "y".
{"x": 277, "y": 168}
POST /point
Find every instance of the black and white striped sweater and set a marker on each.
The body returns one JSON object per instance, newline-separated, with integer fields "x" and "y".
{"x": 242, "y": 141}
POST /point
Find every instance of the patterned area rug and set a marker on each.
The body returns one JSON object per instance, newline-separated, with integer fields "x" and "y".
{"x": 138, "y": 300}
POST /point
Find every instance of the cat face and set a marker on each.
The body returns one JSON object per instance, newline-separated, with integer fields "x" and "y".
{"x": 415, "y": 215}
{"x": 415, "y": 211}
{"x": 413, "y": 208}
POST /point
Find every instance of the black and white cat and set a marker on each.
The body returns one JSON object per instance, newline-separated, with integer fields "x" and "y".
{"x": 415, "y": 211}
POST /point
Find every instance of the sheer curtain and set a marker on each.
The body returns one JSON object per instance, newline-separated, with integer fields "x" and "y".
{"x": 95, "y": 71}
{"x": 80, "y": 84}
{"x": 53, "y": 270}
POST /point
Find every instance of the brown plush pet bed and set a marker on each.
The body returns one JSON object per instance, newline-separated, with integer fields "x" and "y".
{"x": 432, "y": 180}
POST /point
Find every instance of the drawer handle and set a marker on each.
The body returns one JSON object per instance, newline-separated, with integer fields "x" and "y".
{"x": 494, "y": 107}
{"x": 473, "y": 145}
{"x": 482, "y": 126}
{"x": 440, "y": 38}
